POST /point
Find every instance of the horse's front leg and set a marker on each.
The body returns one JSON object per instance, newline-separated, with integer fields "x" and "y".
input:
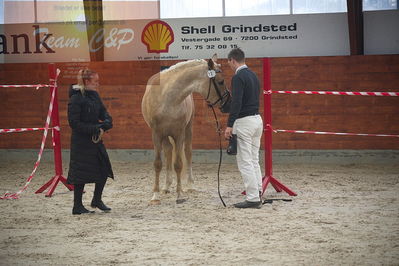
{"x": 168, "y": 152}
{"x": 158, "y": 167}
{"x": 188, "y": 153}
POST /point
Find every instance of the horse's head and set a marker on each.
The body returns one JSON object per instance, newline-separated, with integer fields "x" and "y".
{"x": 218, "y": 92}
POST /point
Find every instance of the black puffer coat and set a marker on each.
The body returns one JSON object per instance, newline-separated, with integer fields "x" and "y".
{"x": 89, "y": 161}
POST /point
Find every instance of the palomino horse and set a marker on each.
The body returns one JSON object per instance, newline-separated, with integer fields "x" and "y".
{"x": 168, "y": 109}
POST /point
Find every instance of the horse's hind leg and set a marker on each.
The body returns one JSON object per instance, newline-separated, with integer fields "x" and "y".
{"x": 188, "y": 152}
{"x": 158, "y": 167}
{"x": 168, "y": 152}
{"x": 178, "y": 168}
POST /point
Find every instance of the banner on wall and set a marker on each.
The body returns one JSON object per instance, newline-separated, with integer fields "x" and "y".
{"x": 178, "y": 39}
{"x": 37, "y": 43}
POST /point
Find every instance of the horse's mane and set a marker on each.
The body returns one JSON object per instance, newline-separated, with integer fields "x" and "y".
{"x": 189, "y": 63}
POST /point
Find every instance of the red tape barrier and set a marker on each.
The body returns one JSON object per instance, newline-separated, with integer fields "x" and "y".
{"x": 351, "y": 93}
{"x": 46, "y": 128}
{"x": 37, "y": 86}
{"x": 16, "y": 130}
{"x": 333, "y": 133}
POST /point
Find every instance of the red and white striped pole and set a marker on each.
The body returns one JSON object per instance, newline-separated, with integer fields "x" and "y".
{"x": 267, "y": 123}
{"x": 56, "y": 123}
{"x": 52, "y": 183}
{"x": 268, "y": 130}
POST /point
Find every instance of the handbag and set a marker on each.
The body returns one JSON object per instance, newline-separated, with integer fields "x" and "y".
{"x": 232, "y": 148}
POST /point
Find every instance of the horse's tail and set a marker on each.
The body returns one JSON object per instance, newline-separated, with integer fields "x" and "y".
{"x": 183, "y": 157}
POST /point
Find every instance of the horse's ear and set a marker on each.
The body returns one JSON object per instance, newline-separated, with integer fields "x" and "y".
{"x": 215, "y": 58}
{"x": 212, "y": 61}
{"x": 211, "y": 64}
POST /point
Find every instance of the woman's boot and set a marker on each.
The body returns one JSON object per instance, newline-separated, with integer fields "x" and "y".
{"x": 78, "y": 207}
{"x": 97, "y": 202}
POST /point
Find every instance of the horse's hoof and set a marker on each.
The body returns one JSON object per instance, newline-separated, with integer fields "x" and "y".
{"x": 165, "y": 191}
{"x": 155, "y": 202}
{"x": 180, "y": 201}
{"x": 191, "y": 190}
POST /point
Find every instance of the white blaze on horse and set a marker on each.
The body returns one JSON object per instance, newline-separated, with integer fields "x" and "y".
{"x": 168, "y": 109}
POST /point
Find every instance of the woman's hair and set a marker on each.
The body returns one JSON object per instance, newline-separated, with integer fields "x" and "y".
{"x": 83, "y": 76}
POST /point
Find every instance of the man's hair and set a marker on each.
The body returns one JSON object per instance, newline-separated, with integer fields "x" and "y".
{"x": 236, "y": 54}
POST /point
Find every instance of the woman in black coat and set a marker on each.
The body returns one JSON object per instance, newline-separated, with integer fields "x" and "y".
{"x": 89, "y": 161}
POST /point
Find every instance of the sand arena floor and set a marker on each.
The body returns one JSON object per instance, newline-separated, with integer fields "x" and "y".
{"x": 343, "y": 215}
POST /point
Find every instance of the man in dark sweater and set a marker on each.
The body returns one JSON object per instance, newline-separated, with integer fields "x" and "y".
{"x": 245, "y": 121}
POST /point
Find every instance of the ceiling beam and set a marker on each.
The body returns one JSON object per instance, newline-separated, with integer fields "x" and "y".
{"x": 355, "y": 24}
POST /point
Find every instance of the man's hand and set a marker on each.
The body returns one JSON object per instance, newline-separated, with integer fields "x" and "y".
{"x": 228, "y": 132}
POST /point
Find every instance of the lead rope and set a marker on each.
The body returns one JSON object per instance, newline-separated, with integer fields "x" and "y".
{"x": 220, "y": 150}
{"x": 97, "y": 138}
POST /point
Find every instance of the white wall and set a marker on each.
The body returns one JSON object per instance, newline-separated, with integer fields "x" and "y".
{"x": 381, "y": 32}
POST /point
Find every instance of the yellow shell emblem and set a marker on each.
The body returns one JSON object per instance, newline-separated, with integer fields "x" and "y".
{"x": 157, "y": 36}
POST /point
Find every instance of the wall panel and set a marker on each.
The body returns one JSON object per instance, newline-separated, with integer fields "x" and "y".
{"x": 123, "y": 85}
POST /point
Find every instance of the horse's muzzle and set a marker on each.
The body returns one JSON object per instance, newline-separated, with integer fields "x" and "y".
{"x": 225, "y": 103}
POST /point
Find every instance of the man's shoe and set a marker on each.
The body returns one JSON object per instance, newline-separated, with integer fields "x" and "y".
{"x": 249, "y": 204}
{"x": 80, "y": 210}
{"x": 100, "y": 204}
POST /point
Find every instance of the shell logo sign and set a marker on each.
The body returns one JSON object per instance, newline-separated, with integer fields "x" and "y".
{"x": 157, "y": 36}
